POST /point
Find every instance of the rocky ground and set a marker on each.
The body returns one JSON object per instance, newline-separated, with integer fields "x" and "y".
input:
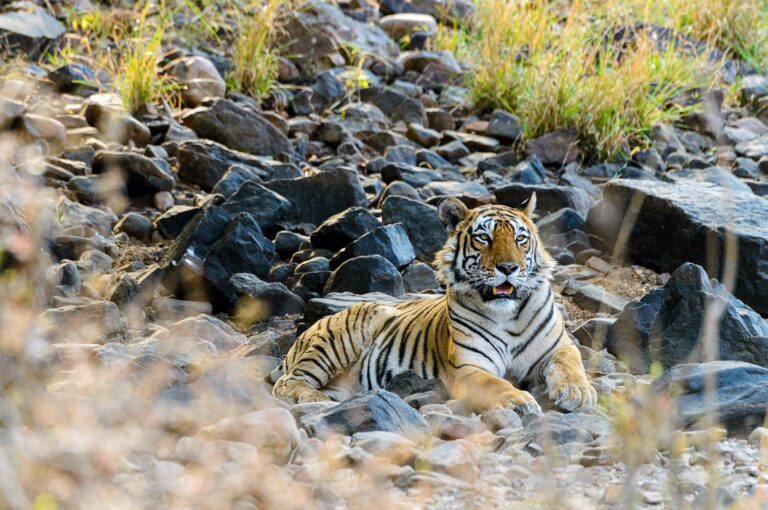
{"x": 156, "y": 266}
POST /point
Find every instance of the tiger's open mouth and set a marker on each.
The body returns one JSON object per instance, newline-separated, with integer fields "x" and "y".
{"x": 503, "y": 291}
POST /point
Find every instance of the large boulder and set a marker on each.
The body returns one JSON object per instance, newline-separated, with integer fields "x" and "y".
{"x": 341, "y": 229}
{"x": 361, "y": 275}
{"x": 688, "y": 222}
{"x": 30, "y": 31}
{"x": 204, "y": 162}
{"x": 549, "y": 197}
{"x": 318, "y": 197}
{"x": 318, "y": 35}
{"x": 389, "y": 241}
{"x": 142, "y": 175}
{"x": 238, "y": 128}
{"x": 739, "y": 398}
{"x": 368, "y": 412}
{"x": 424, "y": 228}
{"x": 668, "y": 325}
{"x": 241, "y": 249}
{"x": 265, "y": 206}
{"x": 395, "y": 104}
{"x": 200, "y": 79}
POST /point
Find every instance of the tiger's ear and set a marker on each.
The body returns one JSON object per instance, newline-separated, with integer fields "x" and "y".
{"x": 451, "y": 211}
{"x": 530, "y": 206}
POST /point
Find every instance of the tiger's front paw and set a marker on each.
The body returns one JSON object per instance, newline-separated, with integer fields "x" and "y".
{"x": 571, "y": 391}
{"x": 519, "y": 400}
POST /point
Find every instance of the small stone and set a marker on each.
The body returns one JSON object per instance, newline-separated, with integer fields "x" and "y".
{"x": 135, "y": 225}
{"x": 423, "y": 136}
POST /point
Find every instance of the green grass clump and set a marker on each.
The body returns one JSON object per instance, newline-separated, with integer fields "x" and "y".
{"x": 558, "y": 67}
{"x": 256, "y": 62}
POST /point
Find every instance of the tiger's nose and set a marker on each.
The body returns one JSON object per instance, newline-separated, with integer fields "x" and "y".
{"x": 507, "y": 268}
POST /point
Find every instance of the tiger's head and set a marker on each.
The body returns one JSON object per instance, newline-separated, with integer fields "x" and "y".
{"x": 493, "y": 254}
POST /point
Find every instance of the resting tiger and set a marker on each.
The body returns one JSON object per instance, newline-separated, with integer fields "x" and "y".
{"x": 496, "y": 323}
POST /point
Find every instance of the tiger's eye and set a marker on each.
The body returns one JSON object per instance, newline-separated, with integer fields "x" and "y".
{"x": 522, "y": 239}
{"x": 484, "y": 238}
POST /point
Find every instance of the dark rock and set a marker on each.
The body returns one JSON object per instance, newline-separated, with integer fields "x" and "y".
{"x": 234, "y": 177}
{"x": 419, "y": 277}
{"x": 318, "y": 197}
{"x": 74, "y": 79}
{"x": 557, "y": 148}
{"x": 238, "y": 128}
{"x": 666, "y": 325}
{"x": 415, "y": 176}
{"x": 341, "y": 229}
{"x": 452, "y": 151}
{"x": 498, "y": 163}
{"x": 143, "y": 176}
{"x": 602, "y": 170}
{"x": 241, "y": 249}
{"x": 29, "y": 31}
{"x": 425, "y": 230}
{"x": 549, "y": 197}
{"x": 260, "y": 300}
{"x": 741, "y": 391}
{"x": 136, "y": 287}
{"x": 685, "y": 222}
{"x": 423, "y": 136}
{"x": 312, "y": 265}
{"x": 135, "y": 225}
{"x": 504, "y": 126}
{"x": 409, "y": 382}
{"x": 389, "y": 241}
{"x": 319, "y": 36}
{"x": 287, "y": 243}
{"x": 396, "y": 105}
{"x": 204, "y": 162}
{"x": 173, "y": 221}
{"x": 106, "y": 113}
{"x": 265, "y": 206}
{"x": 370, "y": 411}
{"x": 310, "y": 285}
{"x": 399, "y": 189}
{"x": 530, "y": 171}
{"x": 281, "y": 272}
{"x": 326, "y": 91}
{"x": 404, "y": 154}
{"x": 430, "y": 159}
{"x": 561, "y": 221}
{"x": 361, "y": 275}
{"x": 198, "y": 235}
{"x": 574, "y": 240}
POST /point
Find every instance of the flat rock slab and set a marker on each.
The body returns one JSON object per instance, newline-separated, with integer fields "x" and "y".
{"x": 740, "y": 396}
{"x": 687, "y": 222}
{"x": 378, "y": 410}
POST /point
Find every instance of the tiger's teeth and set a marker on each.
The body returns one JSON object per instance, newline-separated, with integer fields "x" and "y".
{"x": 502, "y": 291}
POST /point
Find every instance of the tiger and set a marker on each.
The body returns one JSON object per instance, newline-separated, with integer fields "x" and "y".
{"x": 496, "y": 327}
